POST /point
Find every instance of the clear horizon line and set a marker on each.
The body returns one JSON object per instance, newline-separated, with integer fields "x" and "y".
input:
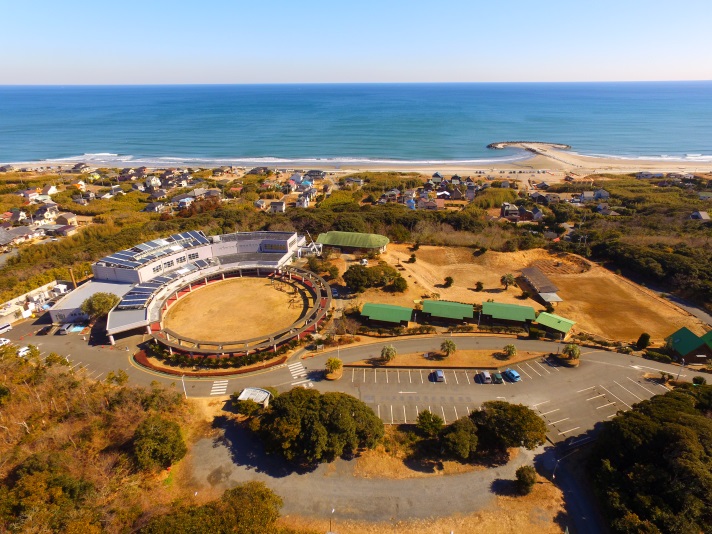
{"x": 207, "y": 84}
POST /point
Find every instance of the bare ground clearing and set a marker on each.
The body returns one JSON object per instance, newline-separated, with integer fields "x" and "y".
{"x": 239, "y": 308}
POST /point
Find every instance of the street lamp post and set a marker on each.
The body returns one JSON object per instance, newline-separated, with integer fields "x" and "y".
{"x": 182, "y": 379}
{"x": 681, "y": 368}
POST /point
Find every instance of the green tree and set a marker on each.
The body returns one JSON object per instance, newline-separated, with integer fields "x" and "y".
{"x": 399, "y": 284}
{"x": 357, "y": 278}
{"x": 4, "y": 394}
{"x": 333, "y": 365}
{"x": 510, "y": 350}
{"x": 699, "y": 380}
{"x": 448, "y": 281}
{"x": 643, "y": 341}
{"x": 99, "y": 304}
{"x": 507, "y": 280}
{"x": 459, "y": 439}
{"x": 526, "y": 478}
{"x": 158, "y": 443}
{"x": 429, "y": 424}
{"x": 246, "y": 407}
{"x": 448, "y": 347}
{"x": 572, "y": 351}
{"x": 504, "y": 425}
{"x": 479, "y": 286}
{"x": 388, "y": 353}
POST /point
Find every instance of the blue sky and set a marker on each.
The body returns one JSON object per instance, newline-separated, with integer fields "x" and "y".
{"x": 274, "y": 41}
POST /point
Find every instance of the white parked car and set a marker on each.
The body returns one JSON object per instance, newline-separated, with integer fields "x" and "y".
{"x": 23, "y": 351}
{"x": 4, "y": 341}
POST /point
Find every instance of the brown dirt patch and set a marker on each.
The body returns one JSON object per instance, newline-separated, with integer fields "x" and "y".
{"x": 461, "y": 358}
{"x": 234, "y": 309}
{"x": 537, "y": 512}
{"x": 608, "y": 305}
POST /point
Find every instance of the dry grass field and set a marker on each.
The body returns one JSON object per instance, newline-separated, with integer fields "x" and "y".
{"x": 601, "y": 302}
{"x": 239, "y": 308}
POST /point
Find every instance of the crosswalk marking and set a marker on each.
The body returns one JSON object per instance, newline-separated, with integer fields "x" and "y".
{"x": 299, "y": 374}
{"x": 219, "y": 387}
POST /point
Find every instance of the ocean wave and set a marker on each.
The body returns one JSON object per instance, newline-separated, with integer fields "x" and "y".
{"x": 683, "y": 158}
{"x": 112, "y": 159}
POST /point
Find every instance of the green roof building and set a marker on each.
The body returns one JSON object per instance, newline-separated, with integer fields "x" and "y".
{"x": 353, "y": 240}
{"x": 386, "y": 313}
{"x": 508, "y": 312}
{"x": 685, "y": 342}
{"x": 448, "y": 310}
{"x": 555, "y": 322}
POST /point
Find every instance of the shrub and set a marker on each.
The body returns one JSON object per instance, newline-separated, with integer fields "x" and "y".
{"x": 479, "y": 286}
{"x": 246, "y": 407}
{"x": 657, "y": 356}
{"x": 158, "y": 443}
{"x": 699, "y": 380}
{"x": 643, "y": 341}
{"x": 526, "y": 478}
{"x": 448, "y": 281}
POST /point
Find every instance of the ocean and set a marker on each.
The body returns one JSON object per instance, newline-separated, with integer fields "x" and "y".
{"x": 351, "y": 123}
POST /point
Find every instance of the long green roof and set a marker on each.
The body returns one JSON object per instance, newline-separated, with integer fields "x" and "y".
{"x": 707, "y": 338}
{"x": 352, "y": 239}
{"x": 508, "y": 312}
{"x": 386, "y": 312}
{"x": 555, "y": 322}
{"x": 684, "y": 341}
{"x": 447, "y": 309}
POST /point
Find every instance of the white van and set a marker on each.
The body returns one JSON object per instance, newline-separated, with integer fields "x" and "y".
{"x": 5, "y": 328}
{"x": 65, "y": 329}
{"x": 486, "y": 377}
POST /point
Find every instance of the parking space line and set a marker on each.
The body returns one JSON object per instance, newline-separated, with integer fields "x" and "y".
{"x": 560, "y": 421}
{"x": 569, "y": 430}
{"x": 386, "y": 376}
{"x": 456, "y": 416}
{"x": 409, "y": 377}
{"x": 468, "y": 378}
{"x": 364, "y": 374}
{"x": 652, "y": 381}
{"x": 421, "y": 375}
{"x": 391, "y": 414}
{"x": 398, "y": 371}
{"x": 444, "y": 377}
{"x": 456, "y": 380}
{"x": 416, "y": 411}
{"x": 405, "y": 417}
{"x": 612, "y": 415}
{"x": 609, "y": 404}
{"x": 551, "y": 411}
{"x": 530, "y": 367}
{"x": 375, "y": 374}
{"x": 468, "y": 410}
{"x": 539, "y": 403}
{"x": 612, "y": 395}
{"x": 443, "y": 410}
{"x": 378, "y": 406}
{"x": 353, "y": 372}
{"x": 582, "y": 390}
{"x": 545, "y": 369}
{"x": 523, "y": 371}
{"x": 597, "y": 396}
{"x": 640, "y": 385}
{"x": 629, "y": 391}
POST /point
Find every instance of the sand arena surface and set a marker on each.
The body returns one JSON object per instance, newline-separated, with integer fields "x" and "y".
{"x": 235, "y": 309}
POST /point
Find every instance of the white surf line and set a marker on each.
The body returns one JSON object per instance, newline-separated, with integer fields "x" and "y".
{"x": 569, "y": 430}
{"x": 560, "y": 421}
{"x": 629, "y": 391}
{"x": 443, "y": 410}
{"x": 596, "y": 397}
{"x": 612, "y": 395}
{"x": 640, "y": 385}
{"x": 551, "y": 411}
{"x": 523, "y": 371}
{"x": 530, "y": 367}
{"x": 603, "y": 406}
{"x": 582, "y": 390}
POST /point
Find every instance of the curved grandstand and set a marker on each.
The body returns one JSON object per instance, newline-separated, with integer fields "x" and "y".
{"x": 153, "y": 275}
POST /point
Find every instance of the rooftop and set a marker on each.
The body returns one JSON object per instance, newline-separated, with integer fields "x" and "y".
{"x": 75, "y": 298}
{"x": 386, "y": 312}
{"x": 538, "y": 280}
{"x": 555, "y": 322}
{"x": 685, "y": 341}
{"x": 447, "y": 309}
{"x": 508, "y": 312}
{"x": 143, "y": 253}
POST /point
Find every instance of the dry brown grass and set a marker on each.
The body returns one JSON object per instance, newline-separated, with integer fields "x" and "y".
{"x": 239, "y": 308}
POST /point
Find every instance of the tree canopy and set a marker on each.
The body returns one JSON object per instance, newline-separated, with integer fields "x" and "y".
{"x": 509, "y": 425}
{"x": 308, "y": 427}
{"x": 99, "y": 304}
{"x": 158, "y": 443}
{"x": 448, "y": 347}
{"x": 652, "y": 465}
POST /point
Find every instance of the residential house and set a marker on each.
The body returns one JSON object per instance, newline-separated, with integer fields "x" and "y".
{"x": 80, "y": 200}
{"x": 601, "y": 194}
{"x": 116, "y": 190}
{"x": 260, "y": 204}
{"x": 49, "y": 190}
{"x": 260, "y": 171}
{"x": 316, "y": 174}
{"x": 215, "y": 194}
{"x": 66, "y": 230}
{"x": 537, "y": 214}
{"x": 646, "y": 175}
{"x": 277, "y": 207}
{"x": 410, "y": 203}
{"x": 525, "y": 214}
{"x": 553, "y": 198}
{"x": 433, "y": 205}
{"x": 153, "y": 182}
{"x": 700, "y": 216}
{"x": 457, "y": 194}
{"x": 7, "y": 168}
{"x": 681, "y": 175}
{"x": 470, "y": 193}
{"x": 156, "y": 207}
{"x": 438, "y": 176}
{"x": 587, "y": 196}
{"x": 138, "y": 186}
{"x": 358, "y": 182}
{"x": 22, "y": 234}
{"x": 302, "y": 202}
{"x": 159, "y": 194}
{"x": 89, "y": 195}
{"x": 705, "y": 195}
{"x": 46, "y": 212}
{"x": 18, "y": 217}
{"x": 296, "y": 178}
{"x": 509, "y": 211}
{"x": 186, "y": 202}
{"x": 30, "y": 195}
{"x": 81, "y": 168}
{"x": 67, "y": 218}
{"x": 80, "y": 185}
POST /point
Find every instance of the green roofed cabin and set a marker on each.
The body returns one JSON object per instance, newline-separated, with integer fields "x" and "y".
{"x": 386, "y": 313}
{"x": 689, "y": 345}
{"x": 443, "y": 309}
{"x": 506, "y": 314}
{"x": 352, "y": 241}
{"x": 554, "y": 324}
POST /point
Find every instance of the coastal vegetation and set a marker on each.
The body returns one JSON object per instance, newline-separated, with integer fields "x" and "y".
{"x": 651, "y": 465}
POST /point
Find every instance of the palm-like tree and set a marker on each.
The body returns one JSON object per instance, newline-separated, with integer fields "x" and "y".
{"x": 507, "y": 280}
{"x": 510, "y": 350}
{"x": 388, "y": 353}
{"x": 333, "y": 365}
{"x": 572, "y": 351}
{"x": 448, "y": 347}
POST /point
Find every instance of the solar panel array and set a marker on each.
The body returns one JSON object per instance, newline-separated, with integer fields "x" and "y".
{"x": 139, "y": 255}
{"x": 139, "y": 295}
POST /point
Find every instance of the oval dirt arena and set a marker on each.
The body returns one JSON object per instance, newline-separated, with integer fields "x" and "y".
{"x": 235, "y": 309}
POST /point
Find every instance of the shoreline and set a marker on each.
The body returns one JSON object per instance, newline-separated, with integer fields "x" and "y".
{"x": 529, "y": 156}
